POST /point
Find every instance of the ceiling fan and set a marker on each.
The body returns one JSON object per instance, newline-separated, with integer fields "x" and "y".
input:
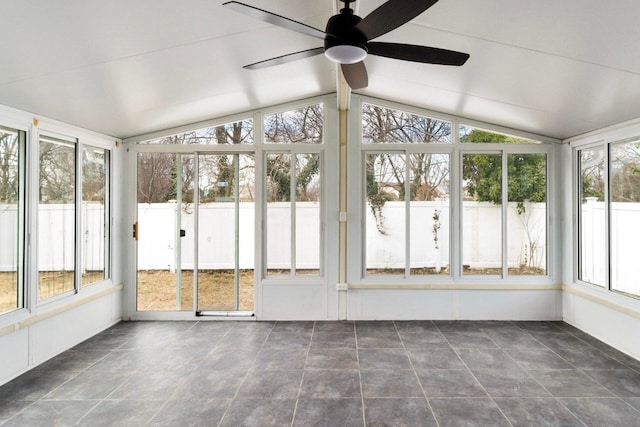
{"x": 347, "y": 38}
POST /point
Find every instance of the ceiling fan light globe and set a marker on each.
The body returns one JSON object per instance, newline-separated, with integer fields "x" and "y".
{"x": 345, "y": 54}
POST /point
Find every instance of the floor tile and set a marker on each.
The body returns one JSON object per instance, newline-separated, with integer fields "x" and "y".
{"x": 469, "y": 339}
{"x": 34, "y": 384}
{"x": 271, "y": 385}
{"x": 209, "y": 385}
{"x": 539, "y": 358}
{"x": 9, "y": 408}
{"x": 387, "y": 383}
{"x": 560, "y": 340}
{"x": 534, "y": 326}
{"x": 425, "y": 339}
{"x": 570, "y": 383}
{"x": 509, "y": 383}
{"x": 588, "y": 358}
{"x": 259, "y": 412}
{"x": 537, "y": 412}
{"x": 450, "y": 383}
{"x": 457, "y": 325}
{"x": 609, "y": 412}
{"x": 88, "y": 385}
{"x": 398, "y": 412}
{"x": 332, "y": 384}
{"x": 192, "y": 412}
{"x": 435, "y": 358}
{"x": 270, "y": 359}
{"x": 72, "y": 361}
{"x": 383, "y": 358}
{"x": 633, "y": 401}
{"x": 415, "y": 326}
{"x": 288, "y": 339}
{"x": 228, "y": 360}
{"x": 467, "y": 413}
{"x": 121, "y": 413}
{"x": 623, "y": 382}
{"x": 486, "y": 358}
{"x": 332, "y": 358}
{"x": 513, "y": 339}
{"x": 52, "y": 413}
{"x": 149, "y": 386}
{"x": 333, "y": 335}
{"x": 377, "y": 335}
{"x": 328, "y": 413}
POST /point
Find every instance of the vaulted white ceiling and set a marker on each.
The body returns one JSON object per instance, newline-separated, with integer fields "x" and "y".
{"x": 123, "y": 67}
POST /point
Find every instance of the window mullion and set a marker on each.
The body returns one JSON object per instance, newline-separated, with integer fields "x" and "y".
{"x": 292, "y": 191}
{"x": 505, "y": 206}
{"x": 407, "y": 213}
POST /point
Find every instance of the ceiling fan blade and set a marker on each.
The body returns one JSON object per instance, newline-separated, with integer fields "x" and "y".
{"x": 355, "y": 75}
{"x": 272, "y": 18}
{"x": 284, "y": 59}
{"x": 391, "y": 15}
{"x": 424, "y": 54}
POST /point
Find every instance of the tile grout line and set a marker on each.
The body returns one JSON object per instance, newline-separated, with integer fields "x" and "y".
{"x": 304, "y": 367}
{"x": 474, "y": 375}
{"x": 233, "y": 399}
{"x": 355, "y": 336}
{"x": 416, "y": 373}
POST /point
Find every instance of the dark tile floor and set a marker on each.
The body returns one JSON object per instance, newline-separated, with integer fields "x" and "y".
{"x": 418, "y": 373}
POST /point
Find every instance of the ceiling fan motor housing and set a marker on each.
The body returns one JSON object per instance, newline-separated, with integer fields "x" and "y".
{"x": 340, "y": 31}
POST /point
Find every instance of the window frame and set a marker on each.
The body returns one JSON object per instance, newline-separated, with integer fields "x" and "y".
{"x": 606, "y": 141}
{"x": 455, "y": 280}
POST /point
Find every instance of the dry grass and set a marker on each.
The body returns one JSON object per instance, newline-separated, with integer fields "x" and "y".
{"x": 157, "y": 290}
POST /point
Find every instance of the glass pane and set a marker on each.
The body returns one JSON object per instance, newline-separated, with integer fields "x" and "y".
{"x": 300, "y": 126}
{"x": 429, "y": 233}
{"x": 591, "y": 238}
{"x": 226, "y": 232}
{"x": 527, "y": 214}
{"x": 475, "y": 135}
{"x": 10, "y": 258}
{"x": 278, "y": 214}
{"x": 385, "y": 214}
{"x": 95, "y": 163}
{"x": 625, "y": 216}
{"x": 387, "y": 126}
{"x": 165, "y": 231}
{"x": 307, "y": 214}
{"x": 482, "y": 214}
{"x": 231, "y": 133}
{"x": 56, "y": 218}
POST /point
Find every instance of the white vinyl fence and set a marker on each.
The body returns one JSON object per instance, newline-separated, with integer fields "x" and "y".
{"x": 157, "y": 244}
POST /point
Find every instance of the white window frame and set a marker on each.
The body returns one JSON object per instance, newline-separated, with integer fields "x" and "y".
{"x": 356, "y": 206}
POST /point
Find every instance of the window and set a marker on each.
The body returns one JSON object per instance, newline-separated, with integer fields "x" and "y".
{"x": 293, "y": 191}
{"x": 418, "y": 173}
{"x": 12, "y": 145}
{"x": 406, "y": 182}
{"x": 95, "y": 216}
{"x": 300, "y": 126}
{"x": 56, "y": 217}
{"x": 240, "y": 132}
{"x": 388, "y": 126}
{"x": 591, "y": 214}
{"x": 473, "y": 135}
{"x": 624, "y": 184}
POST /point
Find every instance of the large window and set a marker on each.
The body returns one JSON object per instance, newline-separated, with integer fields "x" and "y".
{"x": 12, "y": 144}
{"x": 56, "y": 217}
{"x": 608, "y": 207}
{"x": 293, "y": 193}
{"x": 412, "y": 164}
{"x": 406, "y": 193}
